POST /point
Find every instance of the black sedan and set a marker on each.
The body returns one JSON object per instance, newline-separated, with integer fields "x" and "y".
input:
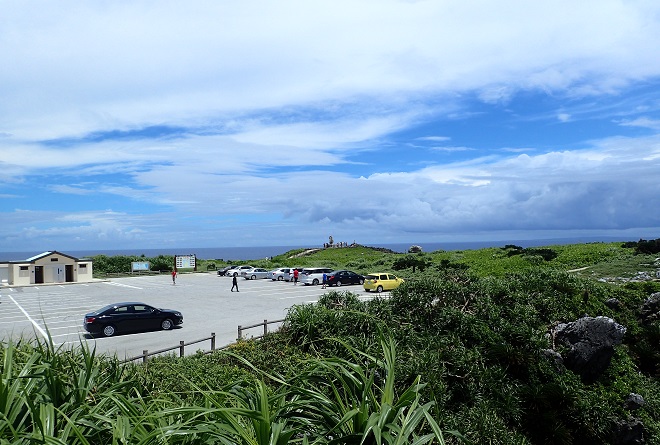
{"x": 341, "y": 277}
{"x": 130, "y": 317}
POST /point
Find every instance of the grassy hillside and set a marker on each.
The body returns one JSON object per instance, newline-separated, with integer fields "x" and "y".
{"x": 594, "y": 260}
{"x": 458, "y": 354}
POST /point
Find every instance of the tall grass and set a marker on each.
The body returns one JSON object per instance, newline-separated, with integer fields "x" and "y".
{"x": 50, "y": 395}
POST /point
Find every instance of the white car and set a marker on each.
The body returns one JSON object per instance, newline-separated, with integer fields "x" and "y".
{"x": 254, "y": 273}
{"x": 313, "y": 275}
{"x": 236, "y": 271}
{"x": 288, "y": 276}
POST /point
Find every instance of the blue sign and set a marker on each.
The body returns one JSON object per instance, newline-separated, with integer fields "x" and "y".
{"x": 140, "y": 265}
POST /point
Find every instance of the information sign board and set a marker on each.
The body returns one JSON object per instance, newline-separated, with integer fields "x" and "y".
{"x": 184, "y": 261}
{"x": 140, "y": 265}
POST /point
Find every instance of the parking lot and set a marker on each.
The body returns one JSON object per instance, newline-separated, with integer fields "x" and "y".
{"x": 204, "y": 299}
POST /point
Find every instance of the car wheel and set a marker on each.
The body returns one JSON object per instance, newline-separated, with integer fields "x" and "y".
{"x": 366, "y": 290}
{"x": 338, "y": 283}
{"x": 280, "y": 278}
{"x": 109, "y": 330}
{"x": 166, "y": 324}
{"x": 361, "y": 281}
{"x": 315, "y": 281}
{"x": 379, "y": 289}
{"x": 235, "y": 274}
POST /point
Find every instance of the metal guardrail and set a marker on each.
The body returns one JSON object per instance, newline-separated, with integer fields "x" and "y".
{"x": 182, "y": 345}
{"x": 264, "y": 324}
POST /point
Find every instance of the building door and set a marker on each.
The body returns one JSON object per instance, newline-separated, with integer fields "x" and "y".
{"x": 58, "y": 274}
{"x": 69, "y": 273}
{"x": 38, "y": 274}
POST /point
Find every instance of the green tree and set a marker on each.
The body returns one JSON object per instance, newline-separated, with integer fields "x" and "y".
{"x": 417, "y": 261}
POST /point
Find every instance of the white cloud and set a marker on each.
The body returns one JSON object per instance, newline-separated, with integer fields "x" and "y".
{"x": 274, "y": 100}
{"x": 452, "y": 149}
{"x": 434, "y": 138}
{"x": 120, "y": 64}
{"x": 644, "y": 122}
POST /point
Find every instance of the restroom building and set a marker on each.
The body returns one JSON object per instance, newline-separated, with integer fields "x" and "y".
{"x": 47, "y": 267}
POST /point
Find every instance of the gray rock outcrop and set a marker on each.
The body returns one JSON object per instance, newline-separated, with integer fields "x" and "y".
{"x": 650, "y": 310}
{"x": 590, "y": 343}
{"x": 633, "y": 402}
{"x": 629, "y": 432}
{"x": 613, "y": 303}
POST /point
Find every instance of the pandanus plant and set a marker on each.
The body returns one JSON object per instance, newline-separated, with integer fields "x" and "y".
{"x": 50, "y": 396}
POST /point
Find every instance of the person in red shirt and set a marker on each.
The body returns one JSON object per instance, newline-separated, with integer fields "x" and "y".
{"x": 295, "y": 276}
{"x": 173, "y": 276}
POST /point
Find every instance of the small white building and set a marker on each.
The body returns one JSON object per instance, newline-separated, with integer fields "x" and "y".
{"x": 47, "y": 267}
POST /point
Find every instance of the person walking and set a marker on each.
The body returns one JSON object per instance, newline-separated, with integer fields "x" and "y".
{"x": 234, "y": 282}
{"x": 173, "y": 276}
{"x": 325, "y": 280}
{"x": 295, "y": 276}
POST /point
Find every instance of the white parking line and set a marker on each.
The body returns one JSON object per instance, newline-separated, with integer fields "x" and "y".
{"x": 34, "y": 323}
{"x": 121, "y": 285}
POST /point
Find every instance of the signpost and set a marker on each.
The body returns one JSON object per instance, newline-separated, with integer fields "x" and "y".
{"x": 140, "y": 266}
{"x": 185, "y": 262}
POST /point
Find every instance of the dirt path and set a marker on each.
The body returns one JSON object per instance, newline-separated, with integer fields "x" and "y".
{"x": 306, "y": 252}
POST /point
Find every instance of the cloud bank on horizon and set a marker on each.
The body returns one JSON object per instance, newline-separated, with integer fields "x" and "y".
{"x": 153, "y": 124}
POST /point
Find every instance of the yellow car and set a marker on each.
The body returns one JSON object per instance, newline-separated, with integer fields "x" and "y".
{"x": 381, "y": 281}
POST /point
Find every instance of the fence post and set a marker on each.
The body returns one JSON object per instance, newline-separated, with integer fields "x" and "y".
{"x": 265, "y": 327}
{"x": 181, "y": 347}
{"x": 240, "y": 331}
{"x": 212, "y": 341}
{"x": 145, "y": 354}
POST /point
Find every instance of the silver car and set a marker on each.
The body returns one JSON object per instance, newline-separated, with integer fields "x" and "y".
{"x": 279, "y": 274}
{"x": 254, "y": 273}
{"x": 314, "y": 275}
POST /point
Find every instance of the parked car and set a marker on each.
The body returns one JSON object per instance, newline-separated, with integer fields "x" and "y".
{"x": 224, "y": 270}
{"x": 342, "y": 277}
{"x": 381, "y": 281}
{"x": 313, "y": 275}
{"x": 288, "y": 275}
{"x": 279, "y": 274}
{"x": 130, "y": 317}
{"x": 236, "y": 270}
{"x": 254, "y": 273}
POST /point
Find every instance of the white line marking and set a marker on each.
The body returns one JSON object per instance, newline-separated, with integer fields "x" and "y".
{"x": 122, "y": 285}
{"x": 34, "y": 323}
{"x": 294, "y": 297}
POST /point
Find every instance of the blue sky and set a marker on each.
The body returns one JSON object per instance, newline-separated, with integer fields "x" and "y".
{"x": 162, "y": 124}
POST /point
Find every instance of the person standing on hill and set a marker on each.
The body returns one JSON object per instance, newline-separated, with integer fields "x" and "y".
{"x": 234, "y": 282}
{"x": 295, "y": 276}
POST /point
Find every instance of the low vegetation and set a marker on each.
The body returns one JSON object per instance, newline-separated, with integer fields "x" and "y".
{"x": 457, "y": 354}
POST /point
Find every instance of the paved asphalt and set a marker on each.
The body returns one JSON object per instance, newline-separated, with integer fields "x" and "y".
{"x": 204, "y": 299}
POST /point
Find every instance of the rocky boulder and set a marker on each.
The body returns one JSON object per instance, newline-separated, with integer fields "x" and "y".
{"x": 613, "y": 303}
{"x": 630, "y": 432}
{"x": 650, "y": 310}
{"x": 590, "y": 342}
{"x": 633, "y": 402}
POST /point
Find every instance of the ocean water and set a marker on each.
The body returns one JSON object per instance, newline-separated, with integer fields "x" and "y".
{"x": 254, "y": 253}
